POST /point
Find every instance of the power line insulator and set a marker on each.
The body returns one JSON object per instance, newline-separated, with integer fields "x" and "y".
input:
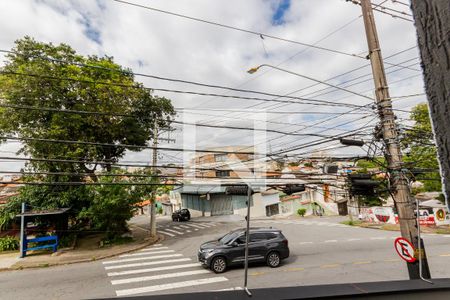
{"x": 349, "y": 142}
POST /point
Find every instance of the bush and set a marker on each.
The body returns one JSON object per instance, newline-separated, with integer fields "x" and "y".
{"x": 160, "y": 210}
{"x": 301, "y": 212}
{"x": 9, "y": 243}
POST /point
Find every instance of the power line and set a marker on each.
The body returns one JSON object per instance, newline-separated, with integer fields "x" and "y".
{"x": 313, "y": 101}
{"x": 336, "y": 76}
{"x": 120, "y": 145}
{"x": 172, "y": 121}
{"x": 259, "y": 34}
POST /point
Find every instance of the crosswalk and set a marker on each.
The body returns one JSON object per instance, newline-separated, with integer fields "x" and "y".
{"x": 177, "y": 229}
{"x": 302, "y": 222}
{"x": 154, "y": 269}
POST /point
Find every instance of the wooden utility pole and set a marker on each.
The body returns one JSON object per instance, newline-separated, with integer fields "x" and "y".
{"x": 432, "y": 20}
{"x": 153, "y": 195}
{"x": 399, "y": 182}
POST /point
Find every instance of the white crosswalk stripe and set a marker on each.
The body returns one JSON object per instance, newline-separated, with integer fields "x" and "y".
{"x": 148, "y": 270}
{"x": 154, "y": 269}
{"x": 147, "y": 253}
{"x": 155, "y": 277}
{"x": 153, "y": 248}
{"x": 169, "y": 286}
{"x": 141, "y": 258}
{"x": 150, "y": 263}
{"x": 174, "y": 231}
{"x": 166, "y": 233}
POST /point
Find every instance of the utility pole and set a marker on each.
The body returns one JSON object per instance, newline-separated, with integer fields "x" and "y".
{"x": 399, "y": 183}
{"x": 153, "y": 195}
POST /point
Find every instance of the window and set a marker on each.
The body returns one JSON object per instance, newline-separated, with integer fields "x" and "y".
{"x": 257, "y": 237}
{"x": 222, "y": 173}
{"x": 241, "y": 240}
{"x": 220, "y": 157}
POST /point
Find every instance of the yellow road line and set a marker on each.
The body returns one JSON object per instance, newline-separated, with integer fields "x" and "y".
{"x": 362, "y": 262}
{"x": 293, "y": 269}
{"x": 257, "y": 273}
{"x": 448, "y": 254}
{"x": 330, "y": 266}
{"x": 391, "y": 260}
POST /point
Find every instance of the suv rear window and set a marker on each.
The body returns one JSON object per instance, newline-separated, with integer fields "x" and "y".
{"x": 262, "y": 236}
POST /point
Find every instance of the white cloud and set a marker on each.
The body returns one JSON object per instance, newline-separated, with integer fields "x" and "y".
{"x": 160, "y": 44}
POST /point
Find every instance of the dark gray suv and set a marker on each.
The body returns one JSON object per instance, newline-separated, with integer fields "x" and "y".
{"x": 265, "y": 245}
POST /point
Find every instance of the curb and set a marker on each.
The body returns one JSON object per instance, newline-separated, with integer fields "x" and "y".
{"x": 46, "y": 265}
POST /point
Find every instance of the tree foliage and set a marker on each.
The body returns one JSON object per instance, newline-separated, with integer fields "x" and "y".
{"x": 420, "y": 150}
{"x": 39, "y": 80}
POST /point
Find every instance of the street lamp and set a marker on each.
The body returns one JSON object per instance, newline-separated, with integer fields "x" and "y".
{"x": 254, "y": 70}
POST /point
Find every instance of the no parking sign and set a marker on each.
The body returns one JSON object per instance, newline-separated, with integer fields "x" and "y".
{"x": 405, "y": 249}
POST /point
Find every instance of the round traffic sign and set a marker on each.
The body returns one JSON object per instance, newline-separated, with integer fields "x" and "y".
{"x": 405, "y": 249}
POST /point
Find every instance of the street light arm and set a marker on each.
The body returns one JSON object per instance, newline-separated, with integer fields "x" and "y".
{"x": 254, "y": 70}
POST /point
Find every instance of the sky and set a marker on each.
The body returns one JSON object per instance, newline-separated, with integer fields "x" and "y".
{"x": 165, "y": 45}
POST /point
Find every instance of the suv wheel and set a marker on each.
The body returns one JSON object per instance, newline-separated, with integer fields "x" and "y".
{"x": 219, "y": 264}
{"x": 273, "y": 259}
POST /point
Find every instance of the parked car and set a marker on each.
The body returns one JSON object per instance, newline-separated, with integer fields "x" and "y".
{"x": 267, "y": 245}
{"x": 181, "y": 215}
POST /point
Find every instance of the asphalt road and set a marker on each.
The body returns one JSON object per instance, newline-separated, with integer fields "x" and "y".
{"x": 322, "y": 252}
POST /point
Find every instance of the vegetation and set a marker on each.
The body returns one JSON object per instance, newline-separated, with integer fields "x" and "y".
{"x": 301, "y": 212}
{"x": 43, "y": 88}
{"x": 9, "y": 243}
{"x": 420, "y": 150}
{"x": 351, "y": 222}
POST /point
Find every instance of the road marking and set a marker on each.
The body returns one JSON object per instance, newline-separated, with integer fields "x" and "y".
{"x": 147, "y": 253}
{"x": 155, "y": 245}
{"x": 177, "y": 227}
{"x": 150, "y": 263}
{"x": 330, "y": 241}
{"x": 184, "y": 226}
{"x": 153, "y": 248}
{"x": 138, "y": 271}
{"x": 446, "y": 235}
{"x": 352, "y": 240}
{"x": 391, "y": 260}
{"x": 362, "y": 262}
{"x": 238, "y": 288}
{"x": 257, "y": 273}
{"x": 169, "y": 286}
{"x": 294, "y": 269}
{"x": 304, "y": 243}
{"x": 378, "y": 238}
{"x": 166, "y": 233}
{"x": 329, "y": 266}
{"x": 174, "y": 231}
{"x": 156, "y": 277}
{"x": 141, "y": 258}
{"x": 445, "y": 254}
{"x": 196, "y": 229}
{"x": 203, "y": 225}
{"x": 194, "y": 225}
{"x": 188, "y": 231}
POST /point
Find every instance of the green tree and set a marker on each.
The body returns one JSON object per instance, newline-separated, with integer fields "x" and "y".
{"x": 39, "y": 80}
{"x": 420, "y": 150}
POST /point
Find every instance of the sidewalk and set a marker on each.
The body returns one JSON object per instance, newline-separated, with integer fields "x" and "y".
{"x": 82, "y": 253}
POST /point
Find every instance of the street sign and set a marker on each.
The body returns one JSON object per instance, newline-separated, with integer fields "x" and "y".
{"x": 405, "y": 249}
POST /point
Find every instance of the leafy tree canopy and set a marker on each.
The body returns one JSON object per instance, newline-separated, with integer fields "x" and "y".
{"x": 420, "y": 150}
{"x": 39, "y": 80}
{"x": 54, "y": 77}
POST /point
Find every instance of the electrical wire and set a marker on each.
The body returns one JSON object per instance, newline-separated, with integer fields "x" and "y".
{"x": 259, "y": 34}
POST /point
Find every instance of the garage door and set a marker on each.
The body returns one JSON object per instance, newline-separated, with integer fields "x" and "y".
{"x": 221, "y": 205}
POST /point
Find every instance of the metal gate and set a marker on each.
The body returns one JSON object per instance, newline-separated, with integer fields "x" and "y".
{"x": 221, "y": 205}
